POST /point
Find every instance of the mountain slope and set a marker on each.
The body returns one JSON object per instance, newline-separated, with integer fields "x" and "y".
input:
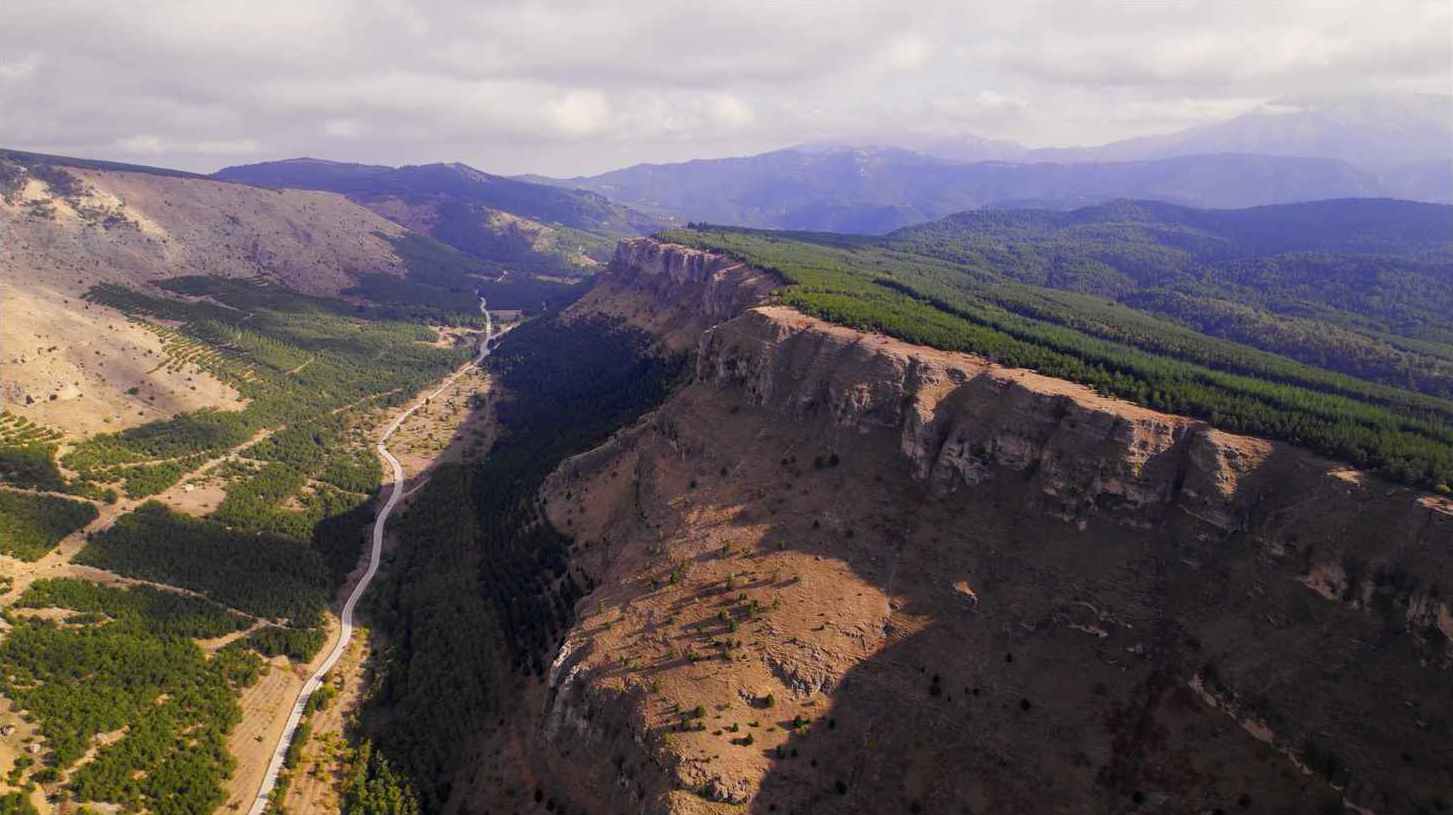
{"x": 837, "y": 572}
{"x": 1376, "y": 132}
{"x": 1405, "y": 141}
{"x": 70, "y": 225}
{"x": 1360, "y": 286}
{"x": 874, "y": 190}
{"x": 493, "y": 218}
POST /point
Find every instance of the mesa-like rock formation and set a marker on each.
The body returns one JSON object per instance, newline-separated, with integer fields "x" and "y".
{"x": 960, "y": 419}
{"x": 673, "y": 291}
{"x": 839, "y": 573}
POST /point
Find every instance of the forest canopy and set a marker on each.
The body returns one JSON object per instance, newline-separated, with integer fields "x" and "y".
{"x": 1327, "y": 325}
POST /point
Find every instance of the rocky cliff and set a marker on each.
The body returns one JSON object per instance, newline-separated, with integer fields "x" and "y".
{"x": 959, "y": 420}
{"x": 673, "y": 291}
{"x": 840, "y": 573}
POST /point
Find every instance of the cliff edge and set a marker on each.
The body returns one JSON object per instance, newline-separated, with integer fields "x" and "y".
{"x": 841, "y": 573}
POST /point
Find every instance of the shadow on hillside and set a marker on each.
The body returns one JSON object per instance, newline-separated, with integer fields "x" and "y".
{"x": 1065, "y": 685}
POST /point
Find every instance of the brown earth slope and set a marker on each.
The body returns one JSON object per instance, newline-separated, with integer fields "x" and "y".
{"x": 843, "y": 574}
{"x": 73, "y": 365}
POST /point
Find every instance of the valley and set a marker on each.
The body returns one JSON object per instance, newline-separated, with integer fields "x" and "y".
{"x": 253, "y": 498}
{"x": 839, "y": 572}
{"x": 1135, "y": 507}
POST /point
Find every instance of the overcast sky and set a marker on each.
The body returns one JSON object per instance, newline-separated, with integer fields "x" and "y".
{"x": 579, "y": 87}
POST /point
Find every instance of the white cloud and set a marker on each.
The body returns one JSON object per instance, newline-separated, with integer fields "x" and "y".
{"x": 906, "y": 52}
{"x": 580, "y": 85}
{"x": 579, "y": 113}
{"x": 147, "y": 144}
{"x": 141, "y": 145}
{"x": 343, "y": 128}
{"x": 19, "y": 68}
{"x": 729, "y": 111}
{"x": 978, "y": 106}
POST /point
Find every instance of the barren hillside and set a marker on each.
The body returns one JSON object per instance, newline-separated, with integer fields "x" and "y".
{"x": 82, "y": 367}
{"x": 841, "y": 573}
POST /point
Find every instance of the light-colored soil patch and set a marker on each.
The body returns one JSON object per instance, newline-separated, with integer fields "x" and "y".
{"x": 265, "y": 709}
{"x": 216, "y": 644}
{"x": 314, "y": 242}
{"x": 198, "y": 495}
{"x": 72, "y": 366}
{"x": 457, "y": 425}
{"x": 315, "y": 786}
{"x": 21, "y": 735}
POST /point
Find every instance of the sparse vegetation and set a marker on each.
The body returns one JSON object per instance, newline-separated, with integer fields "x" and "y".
{"x": 133, "y": 674}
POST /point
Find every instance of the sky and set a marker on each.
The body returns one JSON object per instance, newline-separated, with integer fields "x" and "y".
{"x": 567, "y": 88}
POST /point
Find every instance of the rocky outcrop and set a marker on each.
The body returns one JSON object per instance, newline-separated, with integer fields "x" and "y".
{"x": 673, "y": 291}
{"x": 959, "y": 419}
{"x": 846, "y": 574}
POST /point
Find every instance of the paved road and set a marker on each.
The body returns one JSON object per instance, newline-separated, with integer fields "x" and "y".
{"x": 269, "y": 780}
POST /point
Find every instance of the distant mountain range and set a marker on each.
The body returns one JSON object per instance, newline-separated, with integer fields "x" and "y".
{"x": 536, "y": 227}
{"x": 876, "y": 190}
{"x": 1290, "y": 151}
{"x": 1382, "y": 134}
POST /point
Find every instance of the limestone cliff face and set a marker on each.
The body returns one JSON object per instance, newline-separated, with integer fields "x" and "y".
{"x": 673, "y": 291}
{"x": 839, "y": 573}
{"x": 958, "y": 419}
{"x": 719, "y": 286}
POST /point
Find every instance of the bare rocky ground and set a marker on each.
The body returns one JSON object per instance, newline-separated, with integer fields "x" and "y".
{"x": 84, "y": 368}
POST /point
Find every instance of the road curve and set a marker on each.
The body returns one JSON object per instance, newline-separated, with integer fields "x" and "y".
{"x": 275, "y": 765}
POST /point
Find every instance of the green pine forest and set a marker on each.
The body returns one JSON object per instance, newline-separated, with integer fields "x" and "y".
{"x": 299, "y": 475}
{"x": 1328, "y": 325}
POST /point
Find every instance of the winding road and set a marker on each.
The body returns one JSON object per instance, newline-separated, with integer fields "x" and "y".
{"x": 269, "y": 779}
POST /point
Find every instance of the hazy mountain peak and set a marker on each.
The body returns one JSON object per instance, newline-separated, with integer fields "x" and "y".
{"x": 1376, "y": 132}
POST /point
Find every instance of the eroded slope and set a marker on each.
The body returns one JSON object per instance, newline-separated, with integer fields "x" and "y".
{"x": 840, "y": 573}
{"x": 83, "y": 367}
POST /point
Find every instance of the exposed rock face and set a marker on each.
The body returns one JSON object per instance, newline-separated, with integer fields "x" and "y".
{"x": 843, "y": 574}
{"x": 674, "y": 291}
{"x": 959, "y": 419}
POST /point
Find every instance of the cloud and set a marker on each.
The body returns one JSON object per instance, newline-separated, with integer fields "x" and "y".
{"x": 905, "y": 52}
{"x": 579, "y": 113}
{"x": 343, "y": 128}
{"x": 978, "y": 106}
{"x": 731, "y": 112}
{"x": 147, "y": 144}
{"x": 19, "y": 68}
{"x": 576, "y": 86}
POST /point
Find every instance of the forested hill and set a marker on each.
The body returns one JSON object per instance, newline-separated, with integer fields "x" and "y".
{"x": 1359, "y": 285}
{"x": 1359, "y": 225}
{"x": 540, "y": 234}
{"x": 1327, "y": 324}
{"x": 574, "y": 208}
